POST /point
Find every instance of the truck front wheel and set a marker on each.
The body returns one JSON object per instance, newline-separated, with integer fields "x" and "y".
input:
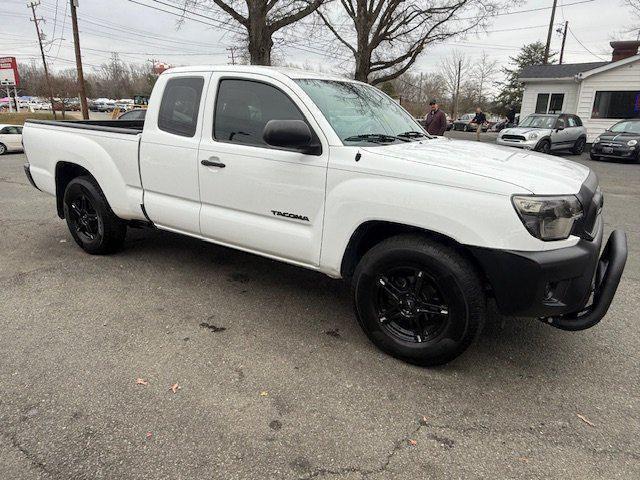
{"x": 92, "y": 223}
{"x": 418, "y": 300}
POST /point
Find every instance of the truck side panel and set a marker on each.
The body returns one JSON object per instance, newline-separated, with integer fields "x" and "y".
{"x": 111, "y": 158}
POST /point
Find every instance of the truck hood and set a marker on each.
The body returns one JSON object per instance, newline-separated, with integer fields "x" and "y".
{"x": 536, "y": 172}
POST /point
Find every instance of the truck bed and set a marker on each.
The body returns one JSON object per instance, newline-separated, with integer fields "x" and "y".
{"x": 107, "y": 149}
{"x": 127, "y": 127}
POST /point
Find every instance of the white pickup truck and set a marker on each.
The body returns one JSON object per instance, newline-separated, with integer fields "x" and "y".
{"x": 332, "y": 175}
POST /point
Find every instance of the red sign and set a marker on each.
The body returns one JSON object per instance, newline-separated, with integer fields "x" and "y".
{"x": 9, "y": 71}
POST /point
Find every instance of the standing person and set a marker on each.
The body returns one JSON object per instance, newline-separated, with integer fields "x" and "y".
{"x": 511, "y": 116}
{"x": 436, "y": 120}
{"x": 480, "y": 119}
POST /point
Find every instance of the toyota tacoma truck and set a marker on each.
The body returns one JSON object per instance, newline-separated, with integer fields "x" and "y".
{"x": 332, "y": 175}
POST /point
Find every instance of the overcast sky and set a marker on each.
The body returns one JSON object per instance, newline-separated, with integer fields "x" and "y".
{"x": 140, "y": 33}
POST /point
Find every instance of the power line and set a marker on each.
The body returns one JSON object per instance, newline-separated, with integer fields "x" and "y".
{"x": 583, "y": 45}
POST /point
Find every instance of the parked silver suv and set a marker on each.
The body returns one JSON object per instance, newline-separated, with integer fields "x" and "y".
{"x": 547, "y": 132}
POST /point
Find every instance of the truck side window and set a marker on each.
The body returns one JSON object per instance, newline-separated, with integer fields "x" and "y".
{"x": 179, "y": 106}
{"x": 243, "y": 108}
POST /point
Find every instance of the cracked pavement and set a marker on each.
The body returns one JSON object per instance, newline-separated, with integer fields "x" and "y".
{"x": 277, "y": 380}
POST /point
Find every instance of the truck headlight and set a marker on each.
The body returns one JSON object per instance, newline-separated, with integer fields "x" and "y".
{"x": 632, "y": 143}
{"x": 533, "y": 136}
{"x": 548, "y": 217}
{"x": 597, "y": 140}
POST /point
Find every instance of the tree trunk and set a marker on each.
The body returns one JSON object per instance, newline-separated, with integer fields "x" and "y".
{"x": 260, "y": 41}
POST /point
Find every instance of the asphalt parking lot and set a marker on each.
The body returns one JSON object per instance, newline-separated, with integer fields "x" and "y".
{"x": 275, "y": 378}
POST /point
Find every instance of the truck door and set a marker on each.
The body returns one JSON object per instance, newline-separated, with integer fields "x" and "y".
{"x": 257, "y": 197}
{"x": 169, "y": 151}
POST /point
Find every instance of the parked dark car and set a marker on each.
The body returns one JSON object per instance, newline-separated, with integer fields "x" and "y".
{"x": 621, "y": 141}
{"x": 464, "y": 124}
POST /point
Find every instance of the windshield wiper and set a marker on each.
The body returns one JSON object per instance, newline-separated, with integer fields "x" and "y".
{"x": 412, "y": 134}
{"x": 375, "y": 137}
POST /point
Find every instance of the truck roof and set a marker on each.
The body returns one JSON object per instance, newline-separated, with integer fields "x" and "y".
{"x": 292, "y": 73}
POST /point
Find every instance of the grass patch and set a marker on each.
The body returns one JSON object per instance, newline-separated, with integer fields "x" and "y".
{"x": 19, "y": 118}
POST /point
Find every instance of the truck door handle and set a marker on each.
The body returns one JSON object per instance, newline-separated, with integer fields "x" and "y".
{"x": 212, "y": 163}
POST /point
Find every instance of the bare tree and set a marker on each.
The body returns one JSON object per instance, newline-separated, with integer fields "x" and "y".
{"x": 260, "y": 18}
{"x": 634, "y": 6}
{"x": 455, "y": 70}
{"x": 386, "y": 37}
{"x": 484, "y": 72}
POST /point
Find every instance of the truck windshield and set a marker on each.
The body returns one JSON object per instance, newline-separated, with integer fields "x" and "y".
{"x": 361, "y": 113}
{"x": 539, "y": 121}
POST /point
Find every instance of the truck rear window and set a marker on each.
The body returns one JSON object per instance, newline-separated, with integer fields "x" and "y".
{"x": 179, "y": 106}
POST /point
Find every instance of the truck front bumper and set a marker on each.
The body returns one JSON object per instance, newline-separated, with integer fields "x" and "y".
{"x": 569, "y": 288}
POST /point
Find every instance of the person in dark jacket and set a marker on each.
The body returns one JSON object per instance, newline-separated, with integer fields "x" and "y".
{"x": 480, "y": 119}
{"x": 511, "y": 116}
{"x": 436, "y": 120}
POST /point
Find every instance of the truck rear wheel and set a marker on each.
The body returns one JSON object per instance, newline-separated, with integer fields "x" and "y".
{"x": 92, "y": 223}
{"x": 418, "y": 300}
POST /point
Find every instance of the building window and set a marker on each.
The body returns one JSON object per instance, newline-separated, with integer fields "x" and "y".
{"x": 549, "y": 103}
{"x": 622, "y": 104}
{"x": 555, "y": 105}
{"x": 542, "y": 103}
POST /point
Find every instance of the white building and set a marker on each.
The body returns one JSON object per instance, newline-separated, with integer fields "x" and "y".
{"x": 600, "y": 93}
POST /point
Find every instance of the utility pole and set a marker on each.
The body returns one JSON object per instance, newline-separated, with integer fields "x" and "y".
{"x": 548, "y": 46}
{"x": 76, "y": 44}
{"x": 35, "y": 20}
{"x": 564, "y": 39}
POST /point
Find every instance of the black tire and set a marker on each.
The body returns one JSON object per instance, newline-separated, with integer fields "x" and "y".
{"x": 578, "y": 147}
{"x": 544, "y": 147}
{"x": 418, "y": 300}
{"x": 594, "y": 156}
{"x": 3, "y": 149}
{"x": 92, "y": 223}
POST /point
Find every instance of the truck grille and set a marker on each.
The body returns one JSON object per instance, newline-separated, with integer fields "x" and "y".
{"x": 518, "y": 138}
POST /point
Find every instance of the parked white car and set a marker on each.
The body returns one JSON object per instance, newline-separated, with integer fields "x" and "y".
{"x": 333, "y": 175}
{"x": 10, "y": 138}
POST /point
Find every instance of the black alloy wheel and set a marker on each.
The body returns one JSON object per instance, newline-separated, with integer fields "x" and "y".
{"x": 409, "y": 305}
{"x": 84, "y": 219}
{"x": 92, "y": 223}
{"x": 418, "y": 300}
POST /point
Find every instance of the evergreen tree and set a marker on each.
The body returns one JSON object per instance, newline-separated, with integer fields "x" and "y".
{"x": 511, "y": 89}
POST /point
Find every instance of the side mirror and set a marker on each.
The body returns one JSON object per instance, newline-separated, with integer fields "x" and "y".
{"x": 560, "y": 126}
{"x": 293, "y": 134}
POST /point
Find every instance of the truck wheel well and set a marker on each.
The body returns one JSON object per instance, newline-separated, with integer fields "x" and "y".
{"x": 371, "y": 233}
{"x": 65, "y": 172}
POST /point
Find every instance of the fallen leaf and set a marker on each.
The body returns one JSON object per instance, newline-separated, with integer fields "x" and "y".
{"x": 264, "y": 393}
{"x": 585, "y": 420}
{"x": 63, "y": 241}
{"x": 423, "y": 421}
{"x": 523, "y": 459}
{"x": 175, "y": 387}
{"x": 149, "y": 434}
{"x": 141, "y": 381}
{"x": 412, "y": 442}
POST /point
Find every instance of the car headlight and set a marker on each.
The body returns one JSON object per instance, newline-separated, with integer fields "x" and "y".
{"x": 533, "y": 136}
{"x": 597, "y": 140}
{"x": 632, "y": 143}
{"x": 548, "y": 217}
